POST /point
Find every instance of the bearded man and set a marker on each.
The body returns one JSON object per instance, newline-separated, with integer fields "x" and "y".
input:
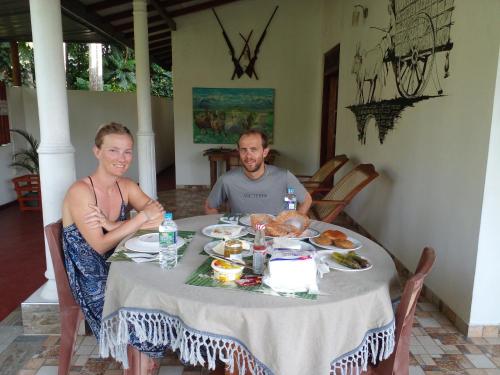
{"x": 255, "y": 187}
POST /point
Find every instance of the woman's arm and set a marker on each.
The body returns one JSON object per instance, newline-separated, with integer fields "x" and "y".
{"x": 140, "y": 201}
{"x": 78, "y": 199}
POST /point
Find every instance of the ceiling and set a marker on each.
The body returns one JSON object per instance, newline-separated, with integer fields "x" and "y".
{"x": 106, "y": 21}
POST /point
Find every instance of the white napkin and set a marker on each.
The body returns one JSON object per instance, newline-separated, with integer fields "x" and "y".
{"x": 142, "y": 257}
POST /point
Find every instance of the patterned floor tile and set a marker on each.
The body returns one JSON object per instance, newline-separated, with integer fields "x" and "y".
{"x": 480, "y": 361}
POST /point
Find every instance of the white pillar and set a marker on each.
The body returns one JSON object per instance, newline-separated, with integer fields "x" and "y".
{"x": 56, "y": 154}
{"x": 95, "y": 67}
{"x": 145, "y": 135}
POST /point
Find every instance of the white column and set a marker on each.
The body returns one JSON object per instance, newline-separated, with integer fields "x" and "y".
{"x": 145, "y": 135}
{"x": 56, "y": 154}
{"x": 95, "y": 67}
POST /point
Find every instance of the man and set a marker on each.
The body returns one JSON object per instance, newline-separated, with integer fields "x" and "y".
{"x": 255, "y": 187}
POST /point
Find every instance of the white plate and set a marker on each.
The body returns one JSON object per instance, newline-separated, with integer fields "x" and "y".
{"x": 230, "y": 219}
{"x": 148, "y": 243}
{"x": 324, "y": 256}
{"x": 304, "y": 246}
{"x": 308, "y": 233}
{"x": 211, "y": 248}
{"x": 245, "y": 220}
{"x": 223, "y": 231}
{"x": 357, "y": 245}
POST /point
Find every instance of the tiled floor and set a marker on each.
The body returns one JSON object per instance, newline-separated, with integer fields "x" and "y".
{"x": 436, "y": 346}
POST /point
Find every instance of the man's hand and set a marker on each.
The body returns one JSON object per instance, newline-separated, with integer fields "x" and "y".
{"x": 209, "y": 210}
{"x": 303, "y": 207}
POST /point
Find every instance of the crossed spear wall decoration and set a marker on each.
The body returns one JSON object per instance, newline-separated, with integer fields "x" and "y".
{"x": 249, "y": 70}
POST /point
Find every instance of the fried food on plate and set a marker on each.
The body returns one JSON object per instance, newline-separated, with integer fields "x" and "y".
{"x": 260, "y": 219}
{"x": 275, "y": 229}
{"x": 295, "y": 219}
{"x": 344, "y": 244}
{"x": 323, "y": 240}
{"x": 334, "y": 235}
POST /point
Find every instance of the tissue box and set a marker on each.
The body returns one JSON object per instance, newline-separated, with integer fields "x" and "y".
{"x": 292, "y": 271}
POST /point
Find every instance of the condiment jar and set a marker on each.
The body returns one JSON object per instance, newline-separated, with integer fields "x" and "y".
{"x": 233, "y": 249}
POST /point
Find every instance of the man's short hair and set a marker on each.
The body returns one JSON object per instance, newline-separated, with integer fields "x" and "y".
{"x": 263, "y": 136}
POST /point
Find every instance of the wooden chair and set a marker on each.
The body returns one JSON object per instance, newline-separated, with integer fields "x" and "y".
{"x": 70, "y": 313}
{"x": 28, "y": 192}
{"x": 322, "y": 177}
{"x": 398, "y": 362}
{"x": 337, "y": 198}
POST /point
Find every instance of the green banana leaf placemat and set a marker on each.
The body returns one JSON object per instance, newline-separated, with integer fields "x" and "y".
{"x": 121, "y": 253}
{"x": 203, "y": 276}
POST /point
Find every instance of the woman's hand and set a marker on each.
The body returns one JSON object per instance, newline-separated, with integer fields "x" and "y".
{"x": 96, "y": 218}
{"x": 153, "y": 211}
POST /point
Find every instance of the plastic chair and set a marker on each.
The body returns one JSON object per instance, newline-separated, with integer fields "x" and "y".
{"x": 338, "y": 197}
{"x": 399, "y": 361}
{"x": 323, "y": 175}
{"x": 28, "y": 192}
{"x": 70, "y": 313}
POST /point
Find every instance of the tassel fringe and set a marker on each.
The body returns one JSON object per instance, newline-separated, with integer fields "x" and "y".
{"x": 160, "y": 328}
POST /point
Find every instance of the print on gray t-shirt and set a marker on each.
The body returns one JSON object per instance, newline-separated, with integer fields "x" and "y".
{"x": 264, "y": 195}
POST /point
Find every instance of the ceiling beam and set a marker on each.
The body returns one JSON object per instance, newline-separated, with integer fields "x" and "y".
{"x": 106, "y": 4}
{"x": 151, "y": 30}
{"x": 78, "y": 12}
{"x": 175, "y": 13}
{"x": 162, "y": 36}
{"x": 166, "y": 47}
{"x": 163, "y": 14}
{"x": 199, "y": 7}
{"x": 161, "y": 43}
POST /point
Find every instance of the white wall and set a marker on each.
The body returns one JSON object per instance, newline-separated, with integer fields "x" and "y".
{"x": 88, "y": 110}
{"x": 433, "y": 163}
{"x": 485, "y": 302}
{"x": 289, "y": 61}
{"x": 7, "y": 193}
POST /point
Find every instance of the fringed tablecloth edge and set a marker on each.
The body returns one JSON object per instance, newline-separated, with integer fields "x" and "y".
{"x": 379, "y": 342}
{"x": 161, "y": 328}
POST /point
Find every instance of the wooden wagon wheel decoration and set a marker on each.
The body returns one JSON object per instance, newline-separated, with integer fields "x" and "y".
{"x": 414, "y": 68}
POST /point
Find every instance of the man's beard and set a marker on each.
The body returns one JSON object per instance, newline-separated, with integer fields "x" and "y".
{"x": 256, "y": 168}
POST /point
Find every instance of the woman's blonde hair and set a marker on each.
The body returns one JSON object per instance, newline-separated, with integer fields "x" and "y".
{"x": 110, "y": 128}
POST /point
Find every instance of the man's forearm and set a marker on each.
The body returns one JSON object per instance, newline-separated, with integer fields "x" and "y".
{"x": 304, "y": 206}
{"x": 209, "y": 210}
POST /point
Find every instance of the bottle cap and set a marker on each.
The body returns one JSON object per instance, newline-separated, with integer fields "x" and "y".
{"x": 168, "y": 215}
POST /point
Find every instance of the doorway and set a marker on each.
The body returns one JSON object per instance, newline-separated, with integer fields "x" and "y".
{"x": 329, "y": 111}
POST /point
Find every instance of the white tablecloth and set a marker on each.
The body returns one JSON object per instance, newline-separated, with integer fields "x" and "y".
{"x": 277, "y": 335}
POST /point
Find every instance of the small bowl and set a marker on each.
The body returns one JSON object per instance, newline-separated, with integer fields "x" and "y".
{"x": 226, "y": 272}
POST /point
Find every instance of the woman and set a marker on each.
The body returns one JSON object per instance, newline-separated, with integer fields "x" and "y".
{"x": 94, "y": 222}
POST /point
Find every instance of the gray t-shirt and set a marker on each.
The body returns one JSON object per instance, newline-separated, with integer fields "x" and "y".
{"x": 264, "y": 195}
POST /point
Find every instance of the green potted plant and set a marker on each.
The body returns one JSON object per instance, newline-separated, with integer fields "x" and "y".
{"x": 27, "y": 186}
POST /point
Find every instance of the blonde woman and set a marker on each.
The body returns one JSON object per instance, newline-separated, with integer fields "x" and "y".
{"x": 94, "y": 222}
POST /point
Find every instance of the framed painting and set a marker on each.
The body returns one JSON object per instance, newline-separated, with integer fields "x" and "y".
{"x": 220, "y": 115}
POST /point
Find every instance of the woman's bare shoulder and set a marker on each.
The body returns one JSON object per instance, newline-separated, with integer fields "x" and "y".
{"x": 127, "y": 183}
{"x": 79, "y": 189}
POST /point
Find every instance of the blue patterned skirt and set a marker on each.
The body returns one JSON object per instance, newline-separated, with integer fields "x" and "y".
{"x": 87, "y": 273}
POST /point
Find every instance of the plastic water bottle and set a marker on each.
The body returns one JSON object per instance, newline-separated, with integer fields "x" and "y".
{"x": 168, "y": 240}
{"x": 259, "y": 250}
{"x": 290, "y": 199}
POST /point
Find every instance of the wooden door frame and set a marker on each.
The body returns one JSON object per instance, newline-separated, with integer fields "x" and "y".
{"x": 331, "y": 67}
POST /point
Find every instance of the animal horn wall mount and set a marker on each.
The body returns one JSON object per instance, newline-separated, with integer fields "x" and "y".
{"x": 246, "y": 54}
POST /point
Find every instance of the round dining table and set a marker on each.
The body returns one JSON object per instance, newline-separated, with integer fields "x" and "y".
{"x": 350, "y": 323}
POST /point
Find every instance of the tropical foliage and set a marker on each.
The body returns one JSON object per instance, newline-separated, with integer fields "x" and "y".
{"x": 26, "y": 158}
{"x": 118, "y": 69}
